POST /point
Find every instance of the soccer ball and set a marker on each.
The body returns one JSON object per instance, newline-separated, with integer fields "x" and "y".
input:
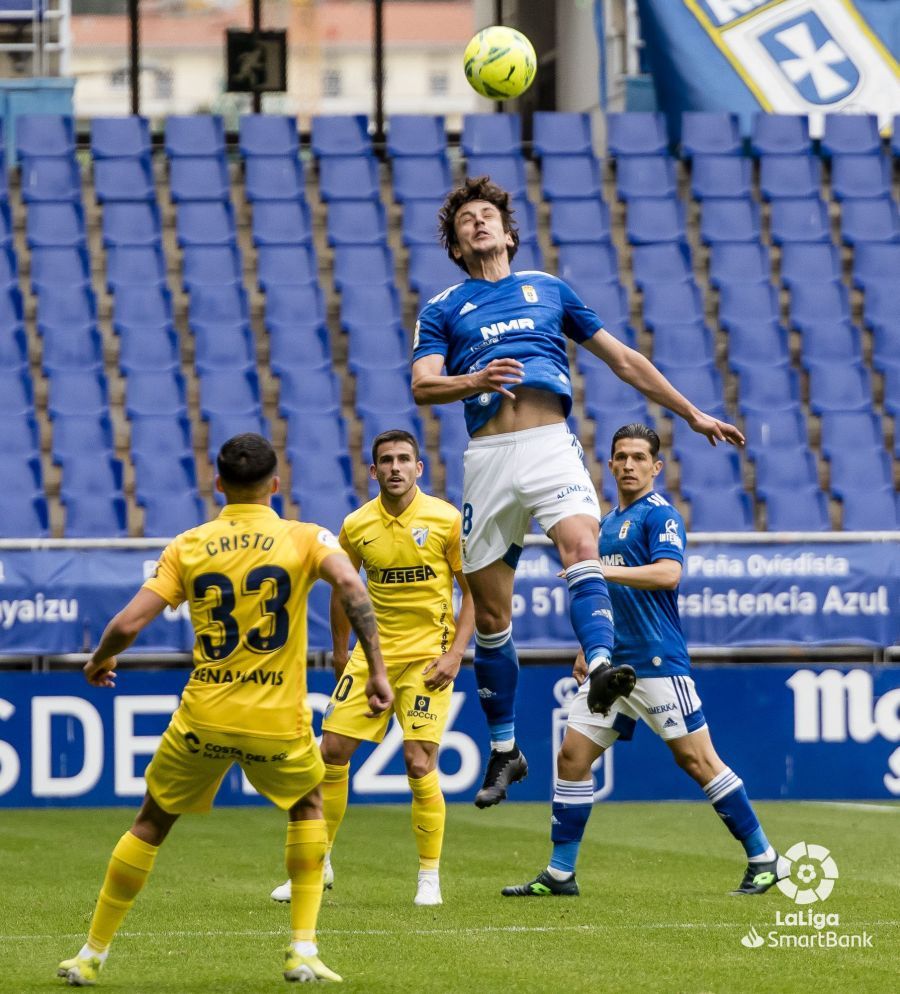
{"x": 500, "y": 63}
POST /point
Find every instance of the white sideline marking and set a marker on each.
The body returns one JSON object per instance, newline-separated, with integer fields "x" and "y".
{"x": 857, "y": 806}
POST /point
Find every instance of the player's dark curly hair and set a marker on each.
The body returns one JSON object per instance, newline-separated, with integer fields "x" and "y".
{"x": 394, "y": 435}
{"x": 475, "y": 188}
{"x": 245, "y": 461}
{"x": 636, "y": 430}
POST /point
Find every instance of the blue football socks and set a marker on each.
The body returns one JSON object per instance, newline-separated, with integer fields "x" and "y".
{"x": 590, "y": 609}
{"x": 497, "y": 676}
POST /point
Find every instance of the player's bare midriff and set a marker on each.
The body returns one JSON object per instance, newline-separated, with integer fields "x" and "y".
{"x": 531, "y": 409}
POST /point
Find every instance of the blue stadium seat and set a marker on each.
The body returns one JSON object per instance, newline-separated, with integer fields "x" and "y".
{"x": 738, "y": 262}
{"x": 789, "y": 176}
{"x": 578, "y": 221}
{"x": 4, "y": 177}
{"x": 757, "y": 343}
{"x": 286, "y": 265}
{"x": 718, "y": 176}
{"x": 810, "y": 262}
{"x": 325, "y": 507}
{"x": 683, "y": 344}
{"x": 369, "y": 305}
{"x": 764, "y": 389}
{"x": 76, "y": 435}
{"x": 51, "y": 224}
{"x": 139, "y": 305}
{"x": 193, "y": 178}
{"x": 226, "y": 304}
{"x": 839, "y": 387}
{"x": 210, "y": 223}
{"x": 23, "y": 471}
{"x": 45, "y": 134}
{"x": 780, "y": 134}
{"x": 818, "y": 303}
{"x": 383, "y": 391}
{"x": 58, "y": 266}
{"x": 781, "y": 468}
{"x": 160, "y": 434}
{"x": 892, "y": 395}
{"x": 143, "y": 347}
{"x": 608, "y": 422}
{"x": 120, "y": 137}
{"x": 568, "y": 177}
{"x": 340, "y": 134}
{"x": 13, "y": 348}
{"x": 9, "y": 265}
{"x": 766, "y": 430}
{"x": 293, "y": 305}
{"x": 672, "y": 303}
{"x": 296, "y": 346}
{"x": 152, "y": 392}
{"x": 57, "y": 306}
{"x": 743, "y": 302}
{"x": 561, "y": 133}
{"x": 24, "y": 516}
{"x": 491, "y": 134}
{"x": 228, "y": 391}
{"x": 223, "y": 346}
{"x": 701, "y": 384}
{"x": 71, "y": 347}
{"x": 281, "y": 222}
{"x": 528, "y": 258}
{"x": 129, "y": 224}
{"x": 609, "y": 301}
{"x": 881, "y": 307}
{"x": 314, "y": 391}
{"x": 211, "y": 265}
{"x": 709, "y": 133}
{"x": 272, "y": 177}
{"x": 606, "y": 394}
{"x": 842, "y": 430}
{"x": 507, "y": 171}
{"x": 874, "y": 262}
{"x": 163, "y": 472}
{"x": 268, "y": 135}
{"x": 803, "y": 220}
{"x": 588, "y": 262}
{"x": 126, "y": 180}
{"x": 320, "y": 469}
{"x": 864, "y": 511}
{"x": 50, "y": 180}
{"x": 94, "y": 516}
{"x": 726, "y": 220}
{"x": 316, "y": 432}
{"x": 348, "y": 178}
{"x": 829, "y": 342}
{"x": 729, "y": 510}
{"x": 420, "y": 224}
{"x": 429, "y": 266}
{"x": 416, "y": 135}
{"x": 80, "y": 392}
{"x": 858, "y": 467}
{"x": 636, "y": 133}
{"x": 652, "y": 219}
{"x": 6, "y": 225}
{"x": 195, "y": 134}
{"x": 16, "y": 395}
{"x": 645, "y": 176}
{"x": 362, "y": 264}
{"x": 874, "y": 220}
{"x": 850, "y": 134}
{"x": 706, "y": 468}
{"x": 356, "y": 222}
{"x": 377, "y": 347}
{"x": 225, "y": 426}
{"x": 374, "y": 423}
{"x": 132, "y": 265}
{"x": 166, "y": 515}
{"x": 886, "y": 349}
{"x": 858, "y": 176}
{"x": 525, "y": 219}
{"x": 421, "y": 178}
{"x": 796, "y": 508}
{"x": 91, "y": 473}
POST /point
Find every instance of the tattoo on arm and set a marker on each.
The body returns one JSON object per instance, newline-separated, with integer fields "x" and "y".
{"x": 361, "y": 616}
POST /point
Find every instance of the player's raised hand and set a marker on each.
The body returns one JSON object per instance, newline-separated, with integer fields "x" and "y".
{"x": 499, "y": 373}
{"x": 580, "y": 668}
{"x": 379, "y": 694}
{"x": 714, "y": 429}
{"x": 443, "y": 671}
{"x": 100, "y": 673}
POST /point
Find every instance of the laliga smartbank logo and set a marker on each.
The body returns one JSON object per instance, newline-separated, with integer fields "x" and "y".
{"x": 810, "y": 878}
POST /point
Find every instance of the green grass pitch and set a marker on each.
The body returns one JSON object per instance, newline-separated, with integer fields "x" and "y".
{"x": 654, "y": 915}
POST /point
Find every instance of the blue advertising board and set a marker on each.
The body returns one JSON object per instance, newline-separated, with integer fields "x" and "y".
{"x": 791, "y": 732}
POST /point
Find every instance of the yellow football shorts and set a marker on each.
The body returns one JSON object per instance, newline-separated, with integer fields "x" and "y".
{"x": 189, "y": 765}
{"x": 422, "y": 713}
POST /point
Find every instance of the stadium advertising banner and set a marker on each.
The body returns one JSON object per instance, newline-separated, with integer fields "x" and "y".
{"x": 791, "y": 732}
{"x": 789, "y": 56}
{"x": 59, "y": 600}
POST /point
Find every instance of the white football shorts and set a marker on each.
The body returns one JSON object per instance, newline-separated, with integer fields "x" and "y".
{"x": 510, "y": 478}
{"x": 668, "y": 704}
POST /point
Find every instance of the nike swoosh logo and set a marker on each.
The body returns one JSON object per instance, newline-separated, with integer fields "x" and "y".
{"x": 366, "y": 541}
{"x": 427, "y": 831}
{"x": 415, "y": 728}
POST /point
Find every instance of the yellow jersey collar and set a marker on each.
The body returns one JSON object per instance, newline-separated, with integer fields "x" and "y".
{"x": 401, "y": 519}
{"x": 247, "y": 511}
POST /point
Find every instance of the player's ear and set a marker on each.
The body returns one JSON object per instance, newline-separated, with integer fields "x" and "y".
{"x": 276, "y": 484}
{"x": 372, "y": 474}
{"x": 219, "y": 486}
{"x": 657, "y": 467}
{"x": 420, "y": 468}
{"x": 456, "y": 251}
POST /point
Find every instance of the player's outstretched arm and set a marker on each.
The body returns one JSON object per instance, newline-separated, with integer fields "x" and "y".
{"x": 429, "y": 386}
{"x": 630, "y": 366}
{"x": 119, "y": 634}
{"x": 337, "y": 570}
{"x": 662, "y": 574}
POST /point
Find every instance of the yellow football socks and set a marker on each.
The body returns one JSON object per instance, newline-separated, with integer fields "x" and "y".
{"x": 429, "y": 813}
{"x": 129, "y": 867}
{"x": 304, "y": 857}
{"x": 335, "y": 790}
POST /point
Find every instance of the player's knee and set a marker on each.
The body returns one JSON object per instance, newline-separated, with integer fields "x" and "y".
{"x": 571, "y": 763}
{"x": 419, "y": 763}
{"x": 309, "y": 807}
{"x": 693, "y": 765}
{"x": 492, "y": 618}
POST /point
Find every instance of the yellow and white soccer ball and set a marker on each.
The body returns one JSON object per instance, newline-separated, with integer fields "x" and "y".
{"x": 500, "y": 63}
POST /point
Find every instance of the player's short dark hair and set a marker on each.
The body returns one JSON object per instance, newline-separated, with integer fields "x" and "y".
{"x": 394, "y": 435}
{"x": 636, "y": 430}
{"x": 246, "y": 460}
{"x": 475, "y": 188}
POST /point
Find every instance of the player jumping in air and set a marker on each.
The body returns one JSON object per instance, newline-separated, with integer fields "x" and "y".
{"x": 408, "y": 543}
{"x": 246, "y": 576}
{"x": 502, "y": 338}
{"x": 642, "y": 548}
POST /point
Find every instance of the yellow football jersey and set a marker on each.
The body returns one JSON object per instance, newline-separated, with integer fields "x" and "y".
{"x": 246, "y": 576}
{"x": 409, "y": 561}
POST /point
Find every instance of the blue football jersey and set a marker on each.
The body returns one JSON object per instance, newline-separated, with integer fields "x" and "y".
{"x": 648, "y": 630}
{"x": 525, "y": 316}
